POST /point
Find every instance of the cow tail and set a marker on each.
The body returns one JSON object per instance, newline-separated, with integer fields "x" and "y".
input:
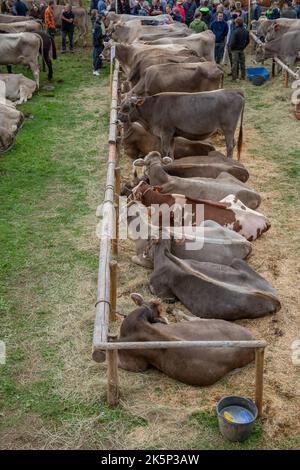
{"x": 240, "y": 139}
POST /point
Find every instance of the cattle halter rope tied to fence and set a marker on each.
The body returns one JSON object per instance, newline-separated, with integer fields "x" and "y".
{"x": 105, "y": 346}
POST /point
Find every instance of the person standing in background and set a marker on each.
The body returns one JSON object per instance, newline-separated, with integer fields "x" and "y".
{"x": 20, "y": 8}
{"x": 189, "y": 9}
{"x": 198, "y": 24}
{"x": 256, "y": 10}
{"x": 98, "y": 38}
{"x": 67, "y": 28}
{"x": 239, "y": 41}
{"x": 288, "y": 11}
{"x": 296, "y": 5}
{"x": 220, "y": 30}
{"x": 49, "y": 20}
{"x": 179, "y": 6}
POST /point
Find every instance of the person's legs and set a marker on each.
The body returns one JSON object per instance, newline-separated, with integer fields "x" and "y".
{"x": 242, "y": 64}
{"x": 97, "y": 61}
{"x": 219, "y": 52}
{"x": 71, "y": 40}
{"x": 235, "y": 64}
{"x": 230, "y": 59}
{"x": 63, "y": 40}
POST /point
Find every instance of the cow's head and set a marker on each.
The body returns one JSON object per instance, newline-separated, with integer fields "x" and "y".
{"x": 273, "y": 32}
{"x": 129, "y": 109}
{"x": 147, "y": 312}
{"x": 260, "y": 53}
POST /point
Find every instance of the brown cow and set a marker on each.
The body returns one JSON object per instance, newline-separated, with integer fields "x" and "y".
{"x": 181, "y": 210}
{"x": 191, "y": 366}
{"x": 197, "y": 188}
{"x": 194, "y": 116}
{"x": 137, "y": 141}
{"x": 187, "y": 77}
{"x": 208, "y": 290}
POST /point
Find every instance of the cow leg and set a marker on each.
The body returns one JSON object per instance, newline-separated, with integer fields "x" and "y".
{"x": 179, "y": 315}
{"x": 166, "y": 140}
{"x": 9, "y": 68}
{"x": 36, "y": 73}
{"x": 229, "y": 138}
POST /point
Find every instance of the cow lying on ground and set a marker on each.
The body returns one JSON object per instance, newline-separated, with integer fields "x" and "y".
{"x": 208, "y": 242}
{"x": 171, "y": 114}
{"x": 230, "y": 212}
{"x": 7, "y": 139}
{"x": 197, "y": 188}
{"x": 17, "y": 87}
{"x": 10, "y": 117}
{"x": 187, "y": 77}
{"x": 137, "y": 141}
{"x": 21, "y": 48}
{"x": 191, "y": 366}
{"x": 286, "y": 47}
{"x": 208, "y": 290}
{"x": 207, "y": 166}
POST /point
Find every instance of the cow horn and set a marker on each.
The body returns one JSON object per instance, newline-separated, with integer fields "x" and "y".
{"x": 138, "y": 162}
{"x": 137, "y": 298}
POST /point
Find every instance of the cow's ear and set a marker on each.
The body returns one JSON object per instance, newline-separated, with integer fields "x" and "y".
{"x": 140, "y": 101}
{"x": 137, "y": 298}
{"x": 158, "y": 189}
{"x": 138, "y": 162}
{"x": 276, "y": 27}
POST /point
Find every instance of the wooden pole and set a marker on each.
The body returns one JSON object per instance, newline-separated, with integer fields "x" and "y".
{"x": 259, "y": 378}
{"x": 286, "y": 79}
{"x": 115, "y": 242}
{"x": 113, "y": 268}
{"x": 273, "y": 68}
{"x": 112, "y": 375}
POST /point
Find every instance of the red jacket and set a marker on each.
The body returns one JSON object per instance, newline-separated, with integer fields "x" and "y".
{"x": 181, "y": 11}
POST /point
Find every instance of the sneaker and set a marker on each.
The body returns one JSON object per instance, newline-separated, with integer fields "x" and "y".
{"x": 96, "y": 72}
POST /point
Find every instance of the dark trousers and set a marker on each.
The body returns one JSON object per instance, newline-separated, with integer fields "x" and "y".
{"x": 238, "y": 60}
{"x": 64, "y": 35}
{"x": 97, "y": 61}
{"x": 219, "y": 52}
{"x": 51, "y": 33}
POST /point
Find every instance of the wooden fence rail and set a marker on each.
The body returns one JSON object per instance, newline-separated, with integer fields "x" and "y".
{"x": 105, "y": 345}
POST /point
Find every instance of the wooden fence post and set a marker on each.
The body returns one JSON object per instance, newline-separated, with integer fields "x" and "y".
{"x": 112, "y": 375}
{"x": 273, "y": 68}
{"x": 259, "y": 378}
{"x": 286, "y": 79}
{"x": 113, "y": 268}
{"x": 117, "y": 190}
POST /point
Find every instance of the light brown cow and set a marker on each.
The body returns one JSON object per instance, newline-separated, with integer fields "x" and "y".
{"x": 21, "y": 27}
{"x": 187, "y": 77}
{"x": 21, "y": 48}
{"x": 17, "y": 87}
{"x": 137, "y": 141}
{"x": 191, "y": 366}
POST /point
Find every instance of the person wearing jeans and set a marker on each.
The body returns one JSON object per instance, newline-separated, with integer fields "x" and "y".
{"x": 220, "y": 29}
{"x": 67, "y": 28}
{"x": 98, "y": 36}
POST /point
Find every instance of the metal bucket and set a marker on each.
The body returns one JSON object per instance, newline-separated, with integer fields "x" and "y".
{"x": 240, "y": 415}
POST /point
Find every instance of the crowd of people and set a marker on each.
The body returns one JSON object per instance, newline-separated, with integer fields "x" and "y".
{"x": 225, "y": 18}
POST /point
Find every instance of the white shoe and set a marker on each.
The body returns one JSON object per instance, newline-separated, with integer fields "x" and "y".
{"x": 96, "y": 72}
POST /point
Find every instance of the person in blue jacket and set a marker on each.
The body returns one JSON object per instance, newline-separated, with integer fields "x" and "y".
{"x": 20, "y": 8}
{"x": 101, "y": 6}
{"x": 256, "y": 10}
{"x": 220, "y": 29}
